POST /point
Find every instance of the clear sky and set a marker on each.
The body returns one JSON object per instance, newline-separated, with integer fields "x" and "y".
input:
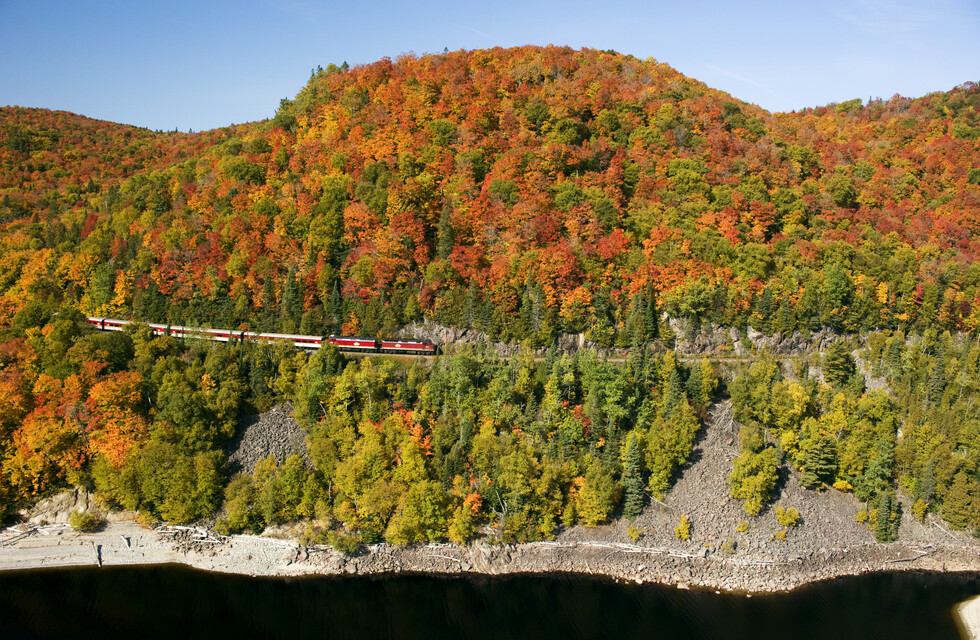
{"x": 194, "y": 65}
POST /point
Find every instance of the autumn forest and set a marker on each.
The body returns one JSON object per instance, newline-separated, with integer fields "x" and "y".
{"x": 524, "y": 194}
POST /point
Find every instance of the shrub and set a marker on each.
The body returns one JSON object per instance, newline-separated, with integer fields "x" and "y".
{"x": 787, "y": 517}
{"x": 729, "y": 546}
{"x": 85, "y": 521}
{"x": 634, "y": 533}
{"x": 920, "y": 508}
{"x": 343, "y": 542}
{"x": 683, "y": 530}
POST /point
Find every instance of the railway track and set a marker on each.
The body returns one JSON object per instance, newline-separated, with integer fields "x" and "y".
{"x": 350, "y": 345}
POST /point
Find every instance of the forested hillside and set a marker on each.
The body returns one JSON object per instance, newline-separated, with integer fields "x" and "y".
{"x": 524, "y": 193}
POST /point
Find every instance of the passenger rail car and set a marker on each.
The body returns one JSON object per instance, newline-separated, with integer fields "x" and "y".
{"x": 343, "y": 343}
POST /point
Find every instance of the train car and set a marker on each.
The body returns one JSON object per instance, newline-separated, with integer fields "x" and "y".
{"x": 351, "y": 343}
{"x": 177, "y": 331}
{"x": 107, "y": 324}
{"x": 344, "y": 343}
{"x": 159, "y": 329}
{"x": 298, "y": 341}
{"x": 415, "y": 347}
{"x": 308, "y": 342}
{"x": 220, "y": 335}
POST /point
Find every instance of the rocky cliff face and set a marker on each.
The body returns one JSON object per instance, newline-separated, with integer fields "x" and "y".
{"x": 718, "y": 341}
{"x": 443, "y": 336}
{"x": 708, "y": 340}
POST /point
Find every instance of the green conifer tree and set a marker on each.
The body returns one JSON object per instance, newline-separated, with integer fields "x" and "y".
{"x": 819, "y": 463}
{"x": 652, "y": 316}
{"x": 838, "y": 364}
{"x": 446, "y": 235}
{"x": 633, "y": 481}
{"x": 896, "y": 349}
{"x": 927, "y": 482}
{"x": 268, "y": 319}
{"x": 884, "y": 531}
{"x": 292, "y": 302}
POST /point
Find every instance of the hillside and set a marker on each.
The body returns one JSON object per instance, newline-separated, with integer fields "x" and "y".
{"x": 523, "y": 192}
{"x": 520, "y": 195}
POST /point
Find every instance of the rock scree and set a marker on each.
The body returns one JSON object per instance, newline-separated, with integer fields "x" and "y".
{"x": 274, "y": 432}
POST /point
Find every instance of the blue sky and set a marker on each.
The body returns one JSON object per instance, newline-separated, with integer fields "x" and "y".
{"x": 198, "y": 65}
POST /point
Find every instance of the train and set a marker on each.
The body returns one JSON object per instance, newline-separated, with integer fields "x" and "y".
{"x": 352, "y": 344}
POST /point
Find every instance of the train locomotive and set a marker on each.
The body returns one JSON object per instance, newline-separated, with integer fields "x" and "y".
{"x": 349, "y": 343}
{"x": 343, "y": 343}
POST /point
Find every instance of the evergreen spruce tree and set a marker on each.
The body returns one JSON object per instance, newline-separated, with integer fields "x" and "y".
{"x": 335, "y": 310}
{"x": 637, "y": 322}
{"x": 884, "y": 531}
{"x": 878, "y": 474}
{"x": 764, "y": 308}
{"x": 652, "y": 315}
{"x": 270, "y": 310}
{"x": 896, "y": 349}
{"x": 471, "y": 311}
{"x": 257, "y": 371}
{"x": 602, "y": 331}
{"x": 674, "y": 393}
{"x": 838, "y": 364}
{"x": 537, "y": 307}
{"x": 633, "y": 482}
{"x": 292, "y": 300}
{"x": 695, "y": 385}
{"x": 446, "y": 235}
{"x": 785, "y": 320}
{"x": 819, "y": 463}
{"x": 637, "y": 364}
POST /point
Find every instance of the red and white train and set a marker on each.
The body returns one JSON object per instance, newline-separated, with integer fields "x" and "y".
{"x": 343, "y": 343}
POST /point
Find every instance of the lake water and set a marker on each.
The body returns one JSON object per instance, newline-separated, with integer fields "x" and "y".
{"x": 176, "y": 603}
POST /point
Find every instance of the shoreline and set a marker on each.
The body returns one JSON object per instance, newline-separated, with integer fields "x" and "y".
{"x": 130, "y": 544}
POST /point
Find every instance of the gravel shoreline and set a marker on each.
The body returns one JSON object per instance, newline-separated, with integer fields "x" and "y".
{"x": 128, "y": 543}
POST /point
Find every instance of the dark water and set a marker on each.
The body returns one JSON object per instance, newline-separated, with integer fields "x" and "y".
{"x": 177, "y": 603}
